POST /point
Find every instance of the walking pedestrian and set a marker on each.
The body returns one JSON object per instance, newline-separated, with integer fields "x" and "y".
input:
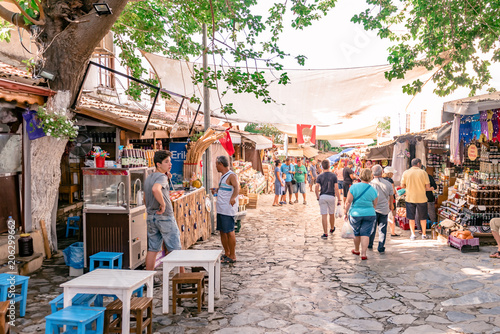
{"x": 227, "y": 207}
{"x": 319, "y": 170}
{"x": 327, "y": 193}
{"x": 300, "y": 181}
{"x": 495, "y": 230}
{"x": 416, "y": 181}
{"x": 385, "y": 204}
{"x": 431, "y": 206}
{"x": 348, "y": 176}
{"x": 388, "y": 174}
{"x": 339, "y": 171}
{"x": 162, "y": 227}
{"x": 360, "y": 208}
{"x": 279, "y": 183}
{"x": 312, "y": 174}
{"x": 288, "y": 169}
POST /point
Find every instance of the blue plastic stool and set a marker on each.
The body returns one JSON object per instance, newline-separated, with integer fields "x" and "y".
{"x": 81, "y": 299}
{"x": 109, "y": 257}
{"x": 8, "y": 280}
{"x": 76, "y": 316}
{"x": 73, "y": 224}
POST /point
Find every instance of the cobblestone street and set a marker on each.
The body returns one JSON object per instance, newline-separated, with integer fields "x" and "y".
{"x": 289, "y": 280}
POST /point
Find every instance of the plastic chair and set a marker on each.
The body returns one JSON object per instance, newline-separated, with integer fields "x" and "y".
{"x": 108, "y": 257}
{"x": 80, "y": 317}
{"x": 8, "y": 280}
{"x": 73, "y": 224}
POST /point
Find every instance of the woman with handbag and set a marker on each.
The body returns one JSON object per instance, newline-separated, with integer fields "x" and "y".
{"x": 360, "y": 209}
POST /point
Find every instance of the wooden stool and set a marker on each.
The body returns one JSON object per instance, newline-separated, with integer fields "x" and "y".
{"x": 197, "y": 279}
{"x": 138, "y": 306}
{"x": 4, "y": 321}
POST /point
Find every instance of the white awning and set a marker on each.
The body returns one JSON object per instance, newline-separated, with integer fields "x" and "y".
{"x": 473, "y": 105}
{"x": 343, "y": 99}
{"x": 260, "y": 142}
{"x": 235, "y": 137}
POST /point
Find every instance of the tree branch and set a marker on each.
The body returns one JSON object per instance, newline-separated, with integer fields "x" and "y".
{"x": 40, "y": 10}
{"x": 8, "y": 16}
{"x": 32, "y": 20}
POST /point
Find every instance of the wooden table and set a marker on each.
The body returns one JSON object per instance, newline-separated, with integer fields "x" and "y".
{"x": 121, "y": 283}
{"x": 208, "y": 259}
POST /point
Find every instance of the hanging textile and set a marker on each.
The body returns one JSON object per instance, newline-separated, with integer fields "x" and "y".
{"x": 476, "y": 126}
{"x": 455, "y": 137}
{"x": 400, "y": 157}
{"x": 495, "y": 123}
{"x": 420, "y": 152}
{"x": 483, "y": 119}
{"x": 227, "y": 143}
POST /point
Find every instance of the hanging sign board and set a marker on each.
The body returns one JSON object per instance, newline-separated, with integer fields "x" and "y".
{"x": 472, "y": 152}
{"x": 179, "y": 153}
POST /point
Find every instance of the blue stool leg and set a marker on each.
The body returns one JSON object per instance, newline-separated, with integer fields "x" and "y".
{"x": 120, "y": 262}
{"x": 81, "y": 329}
{"x": 48, "y": 327}
{"x": 100, "y": 324}
{"x": 91, "y": 265}
{"x": 3, "y": 293}
{"x": 24, "y": 294}
{"x": 67, "y": 229}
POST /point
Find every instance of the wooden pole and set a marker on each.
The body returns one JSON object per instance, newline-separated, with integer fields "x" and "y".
{"x": 206, "y": 114}
{"x": 46, "y": 245}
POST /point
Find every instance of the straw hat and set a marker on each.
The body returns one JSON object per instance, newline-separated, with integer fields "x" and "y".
{"x": 390, "y": 169}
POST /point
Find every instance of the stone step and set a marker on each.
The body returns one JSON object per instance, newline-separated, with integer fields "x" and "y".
{"x": 23, "y": 265}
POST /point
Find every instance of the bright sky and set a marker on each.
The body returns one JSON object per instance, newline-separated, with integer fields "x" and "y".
{"x": 334, "y": 41}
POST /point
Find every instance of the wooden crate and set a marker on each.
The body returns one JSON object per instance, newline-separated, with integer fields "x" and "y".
{"x": 252, "y": 201}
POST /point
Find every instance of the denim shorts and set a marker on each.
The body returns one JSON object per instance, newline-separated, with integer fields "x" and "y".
{"x": 225, "y": 223}
{"x": 362, "y": 226}
{"x": 299, "y": 187}
{"x": 163, "y": 228}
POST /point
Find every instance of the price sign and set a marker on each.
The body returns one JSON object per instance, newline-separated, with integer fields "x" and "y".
{"x": 472, "y": 152}
{"x": 482, "y": 207}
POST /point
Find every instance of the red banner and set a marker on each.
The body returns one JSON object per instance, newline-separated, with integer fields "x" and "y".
{"x": 227, "y": 143}
{"x": 306, "y": 134}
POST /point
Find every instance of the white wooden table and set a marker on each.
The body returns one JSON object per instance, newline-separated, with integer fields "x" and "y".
{"x": 121, "y": 283}
{"x": 208, "y": 259}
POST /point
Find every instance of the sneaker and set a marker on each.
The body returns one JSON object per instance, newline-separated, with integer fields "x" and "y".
{"x": 324, "y": 236}
{"x": 413, "y": 237}
{"x": 424, "y": 237}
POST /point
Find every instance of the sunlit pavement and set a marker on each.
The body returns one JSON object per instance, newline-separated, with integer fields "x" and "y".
{"x": 289, "y": 280}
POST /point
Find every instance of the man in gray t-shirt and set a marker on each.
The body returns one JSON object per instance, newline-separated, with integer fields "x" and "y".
{"x": 162, "y": 226}
{"x": 385, "y": 204}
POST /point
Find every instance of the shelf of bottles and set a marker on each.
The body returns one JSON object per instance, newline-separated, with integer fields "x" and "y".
{"x": 437, "y": 154}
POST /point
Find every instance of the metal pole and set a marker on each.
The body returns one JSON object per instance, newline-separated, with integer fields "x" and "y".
{"x": 207, "y": 163}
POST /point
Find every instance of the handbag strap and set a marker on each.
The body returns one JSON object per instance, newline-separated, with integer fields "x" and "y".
{"x": 358, "y": 197}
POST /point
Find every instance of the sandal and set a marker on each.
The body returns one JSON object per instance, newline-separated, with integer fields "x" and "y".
{"x": 290, "y": 202}
{"x": 354, "y": 252}
{"x": 495, "y": 255}
{"x": 226, "y": 259}
{"x": 364, "y": 258}
{"x": 395, "y": 235}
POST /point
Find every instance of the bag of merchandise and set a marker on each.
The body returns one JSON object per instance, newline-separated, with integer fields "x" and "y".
{"x": 347, "y": 231}
{"x": 339, "y": 212}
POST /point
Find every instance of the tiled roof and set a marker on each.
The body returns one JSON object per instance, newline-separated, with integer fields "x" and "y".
{"x": 13, "y": 73}
{"x": 159, "y": 119}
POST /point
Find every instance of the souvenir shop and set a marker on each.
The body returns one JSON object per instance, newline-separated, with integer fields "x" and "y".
{"x": 475, "y": 153}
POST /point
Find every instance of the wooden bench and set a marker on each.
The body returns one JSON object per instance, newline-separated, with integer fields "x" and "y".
{"x": 197, "y": 291}
{"x": 141, "y": 311}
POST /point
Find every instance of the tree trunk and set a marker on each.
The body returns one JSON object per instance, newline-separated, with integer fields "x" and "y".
{"x": 66, "y": 48}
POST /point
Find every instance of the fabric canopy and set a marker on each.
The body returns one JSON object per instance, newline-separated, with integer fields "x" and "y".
{"x": 473, "y": 105}
{"x": 261, "y": 142}
{"x": 346, "y": 100}
{"x": 380, "y": 153}
{"x": 310, "y": 152}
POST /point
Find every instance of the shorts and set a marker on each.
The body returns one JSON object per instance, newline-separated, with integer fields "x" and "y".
{"x": 413, "y": 208}
{"x": 345, "y": 188}
{"x": 495, "y": 225}
{"x": 299, "y": 186}
{"x": 225, "y": 223}
{"x": 288, "y": 187}
{"x": 163, "y": 228}
{"x": 327, "y": 204}
{"x": 362, "y": 226}
{"x": 341, "y": 185}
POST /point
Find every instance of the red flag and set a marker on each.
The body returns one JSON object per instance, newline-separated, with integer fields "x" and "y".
{"x": 308, "y": 131}
{"x": 227, "y": 143}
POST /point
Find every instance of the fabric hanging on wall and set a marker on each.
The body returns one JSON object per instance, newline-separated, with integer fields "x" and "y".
{"x": 420, "y": 152}
{"x": 495, "y": 123}
{"x": 455, "y": 138}
{"x": 252, "y": 155}
{"x": 400, "y": 160}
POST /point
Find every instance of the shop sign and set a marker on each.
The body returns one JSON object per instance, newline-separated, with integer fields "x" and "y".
{"x": 472, "y": 152}
{"x": 179, "y": 153}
